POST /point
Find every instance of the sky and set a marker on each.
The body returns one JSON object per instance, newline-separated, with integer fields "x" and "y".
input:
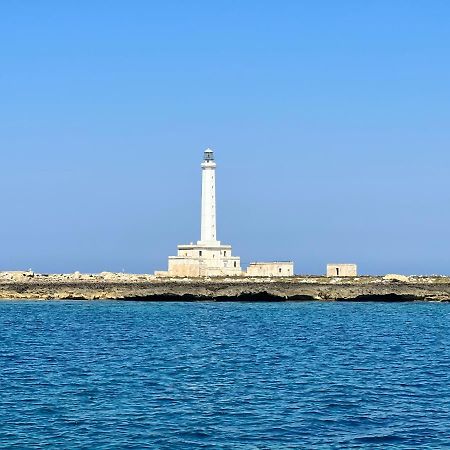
{"x": 330, "y": 123}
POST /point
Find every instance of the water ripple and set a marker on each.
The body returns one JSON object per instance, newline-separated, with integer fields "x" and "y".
{"x": 113, "y": 375}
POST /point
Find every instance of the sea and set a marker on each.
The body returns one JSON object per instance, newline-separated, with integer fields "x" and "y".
{"x": 174, "y": 375}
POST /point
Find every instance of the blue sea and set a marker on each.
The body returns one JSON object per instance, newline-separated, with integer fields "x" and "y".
{"x": 307, "y": 375}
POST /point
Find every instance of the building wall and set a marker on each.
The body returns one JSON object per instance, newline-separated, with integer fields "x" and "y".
{"x": 271, "y": 269}
{"x": 183, "y": 267}
{"x": 218, "y": 253}
{"x": 196, "y": 260}
{"x": 229, "y": 270}
{"x": 342, "y": 270}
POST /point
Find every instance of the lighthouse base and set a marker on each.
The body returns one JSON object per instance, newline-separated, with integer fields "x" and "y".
{"x": 203, "y": 260}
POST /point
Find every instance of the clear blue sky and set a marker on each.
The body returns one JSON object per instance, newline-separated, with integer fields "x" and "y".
{"x": 330, "y": 121}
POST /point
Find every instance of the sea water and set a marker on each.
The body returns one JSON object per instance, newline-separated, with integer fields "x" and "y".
{"x": 111, "y": 374}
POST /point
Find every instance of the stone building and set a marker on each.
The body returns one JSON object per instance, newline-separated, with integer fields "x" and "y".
{"x": 271, "y": 269}
{"x": 342, "y": 270}
{"x": 208, "y": 257}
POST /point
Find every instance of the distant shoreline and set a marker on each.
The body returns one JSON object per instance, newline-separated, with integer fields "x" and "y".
{"x": 391, "y": 288}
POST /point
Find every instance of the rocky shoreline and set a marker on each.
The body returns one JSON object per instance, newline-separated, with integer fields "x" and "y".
{"x": 395, "y": 288}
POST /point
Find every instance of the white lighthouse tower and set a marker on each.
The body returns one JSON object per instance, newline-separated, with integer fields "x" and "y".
{"x": 208, "y": 229}
{"x": 208, "y": 257}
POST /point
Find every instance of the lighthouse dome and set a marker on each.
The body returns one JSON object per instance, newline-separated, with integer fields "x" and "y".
{"x": 208, "y": 155}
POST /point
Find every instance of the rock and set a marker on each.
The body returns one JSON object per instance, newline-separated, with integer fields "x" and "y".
{"x": 136, "y": 286}
{"x": 395, "y": 277}
{"x": 110, "y": 276}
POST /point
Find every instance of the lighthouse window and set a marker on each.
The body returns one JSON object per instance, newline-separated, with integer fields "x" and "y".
{"x": 200, "y": 253}
{"x": 279, "y": 270}
{"x": 225, "y": 253}
{"x": 235, "y": 264}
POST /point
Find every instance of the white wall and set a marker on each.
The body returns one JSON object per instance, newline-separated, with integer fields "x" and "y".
{"x": 342, "y": 270}
{"x": 272, "y": 269}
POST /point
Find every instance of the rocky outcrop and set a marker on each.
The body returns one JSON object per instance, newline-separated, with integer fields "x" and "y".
{"x": 395, "y": 277}
{"x": 108, "y": 285}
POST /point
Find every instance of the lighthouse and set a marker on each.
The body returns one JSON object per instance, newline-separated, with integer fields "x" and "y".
{"x": 208, "y": 217}
{"x": 208, "y": 257}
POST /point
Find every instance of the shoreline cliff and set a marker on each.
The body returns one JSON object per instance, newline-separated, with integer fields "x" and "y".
{"x": 393, "y": 288}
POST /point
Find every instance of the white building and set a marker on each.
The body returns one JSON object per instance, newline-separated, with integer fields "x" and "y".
{"x": 271, "y": 269}
{"x": 342, "y": 270}
{"x": 208, "y": 257}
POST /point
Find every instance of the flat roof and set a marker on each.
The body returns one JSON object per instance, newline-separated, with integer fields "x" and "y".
{"x": 272, "y": 262}
{"x": 341, "y": 264}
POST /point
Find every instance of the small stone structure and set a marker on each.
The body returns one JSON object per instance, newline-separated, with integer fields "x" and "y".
{"x": 271, "y": 269}
{"x": 342, "y": 270}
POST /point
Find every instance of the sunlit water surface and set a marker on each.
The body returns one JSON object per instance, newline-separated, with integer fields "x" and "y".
{"x": 119, "y": 375}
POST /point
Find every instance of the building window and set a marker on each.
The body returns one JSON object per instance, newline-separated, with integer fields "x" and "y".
{"x": 225, "y": 253}
{"x": 279, "y": 270}
{"x": 337, "y": 271}
{"x": 235, "y": 264}
{"x": 200, "y": 253}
